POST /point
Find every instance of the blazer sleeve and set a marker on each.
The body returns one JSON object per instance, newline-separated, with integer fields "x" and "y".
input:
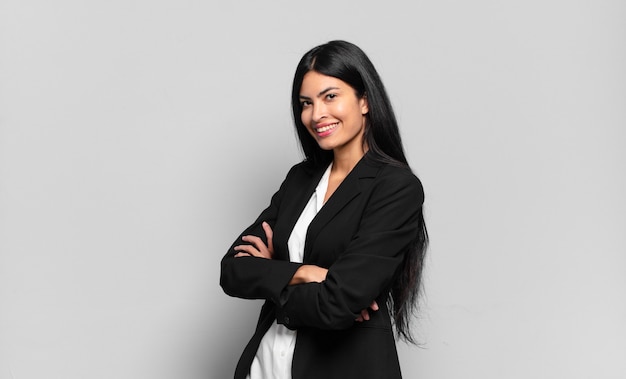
{"x": 253, "y": 277}
{"x": 365, "y": 270}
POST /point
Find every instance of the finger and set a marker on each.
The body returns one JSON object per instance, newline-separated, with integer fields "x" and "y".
{"x": 359, "y": 319}
{"x": 365, "y": 314}
{"x": 258, "y": 244}
{"x": 269, "y": 233}
{"x": 374, "y": 306}
{"x": 249, "y": 249}
{"x": 256, "y": 241}
{"x": 242, "y": 255}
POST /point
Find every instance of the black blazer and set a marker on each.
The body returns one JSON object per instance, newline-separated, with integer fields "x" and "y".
{"x": 361, "y": 235}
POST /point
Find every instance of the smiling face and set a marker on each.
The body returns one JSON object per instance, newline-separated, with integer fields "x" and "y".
{"x": 333, "y": 114}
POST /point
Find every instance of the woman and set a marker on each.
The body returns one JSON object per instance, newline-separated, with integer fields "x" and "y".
{"x": 338, "y": 253}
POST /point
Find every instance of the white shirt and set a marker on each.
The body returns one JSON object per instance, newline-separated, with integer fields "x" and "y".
{"x": 275, "y": 354}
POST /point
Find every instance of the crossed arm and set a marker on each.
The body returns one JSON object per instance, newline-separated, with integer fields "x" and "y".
{"x": 333, "y": 298}
{"x": 255, "y": 247}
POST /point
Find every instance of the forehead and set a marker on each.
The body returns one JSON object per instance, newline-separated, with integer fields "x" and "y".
{"x": 314, "y": 82}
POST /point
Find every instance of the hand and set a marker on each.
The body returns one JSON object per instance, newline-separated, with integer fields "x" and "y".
{"x": 365, "y": 314}
{"x": 257, "y": 247}
{"x": 309, "y": 274}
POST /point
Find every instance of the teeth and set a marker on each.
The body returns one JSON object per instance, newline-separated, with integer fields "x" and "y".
{"x": 326, "y": 128}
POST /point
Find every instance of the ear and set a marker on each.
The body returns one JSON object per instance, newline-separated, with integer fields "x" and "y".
{"x": 363, "y": 103}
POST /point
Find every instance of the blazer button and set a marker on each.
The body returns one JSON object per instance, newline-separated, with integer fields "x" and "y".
{"x": 286, "y": 319}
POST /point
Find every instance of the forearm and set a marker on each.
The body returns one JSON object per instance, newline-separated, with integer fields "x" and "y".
{"x": 308, "y": 274}
{"x": 256, "y": 278}
{"x": 336, "y": 302}
{"x": 364, "y": 273}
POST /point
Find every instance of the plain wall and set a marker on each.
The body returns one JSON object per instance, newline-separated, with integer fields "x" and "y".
{"x": 138, "y": 138}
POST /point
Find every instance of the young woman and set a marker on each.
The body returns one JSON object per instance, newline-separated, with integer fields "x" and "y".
{"x": 338, "y": 253}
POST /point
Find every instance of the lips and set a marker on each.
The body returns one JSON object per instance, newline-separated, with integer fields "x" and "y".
{"x": 323, "y": 130}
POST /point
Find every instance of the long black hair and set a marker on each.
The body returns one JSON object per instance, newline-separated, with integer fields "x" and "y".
{"x": 347, "y": 62}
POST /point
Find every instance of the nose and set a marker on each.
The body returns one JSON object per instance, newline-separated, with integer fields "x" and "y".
{"x": 319, "y": 111}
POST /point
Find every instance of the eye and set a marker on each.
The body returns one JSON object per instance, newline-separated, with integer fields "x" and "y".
{"x": 305, "y": 103}
{"x": 331, "y": 96}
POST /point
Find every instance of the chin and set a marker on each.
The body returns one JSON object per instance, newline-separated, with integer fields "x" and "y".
{"x": 325, "y": 146}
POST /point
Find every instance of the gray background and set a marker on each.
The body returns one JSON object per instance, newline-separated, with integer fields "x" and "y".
{"x": 138, "y": 138}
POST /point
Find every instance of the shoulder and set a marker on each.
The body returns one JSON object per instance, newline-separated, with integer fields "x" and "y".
{"x": 302, "y": 173}
{"x": 391, "y": 172}
{"x": 393, "y": 179}
{"x": 400, "y": 173}
{"x": 304, "y": 169}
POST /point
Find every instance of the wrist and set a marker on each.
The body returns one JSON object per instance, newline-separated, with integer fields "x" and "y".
{"x": 300, "y": 276}
{"x": 309, "y": 274}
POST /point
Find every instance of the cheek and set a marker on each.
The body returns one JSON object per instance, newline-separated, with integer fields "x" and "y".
{"x": 305, "y": 116}
{"x": 346, "y": 110}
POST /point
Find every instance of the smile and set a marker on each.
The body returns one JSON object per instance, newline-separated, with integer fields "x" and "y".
{"x": 325, "y": 129}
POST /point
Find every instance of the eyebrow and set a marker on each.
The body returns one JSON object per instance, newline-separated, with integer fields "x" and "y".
{"x": 321, "y": 92}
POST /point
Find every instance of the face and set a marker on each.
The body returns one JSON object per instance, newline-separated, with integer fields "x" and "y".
{"x": 333, "y": 114}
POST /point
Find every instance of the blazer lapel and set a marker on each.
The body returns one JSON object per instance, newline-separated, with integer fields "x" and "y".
{"x": 348, "y": 189}
{"x": 303, "y": 197}
{"x": 298, "y": 196}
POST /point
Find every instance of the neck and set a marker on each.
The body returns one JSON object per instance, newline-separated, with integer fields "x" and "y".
{"x": 344, "y": 161}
